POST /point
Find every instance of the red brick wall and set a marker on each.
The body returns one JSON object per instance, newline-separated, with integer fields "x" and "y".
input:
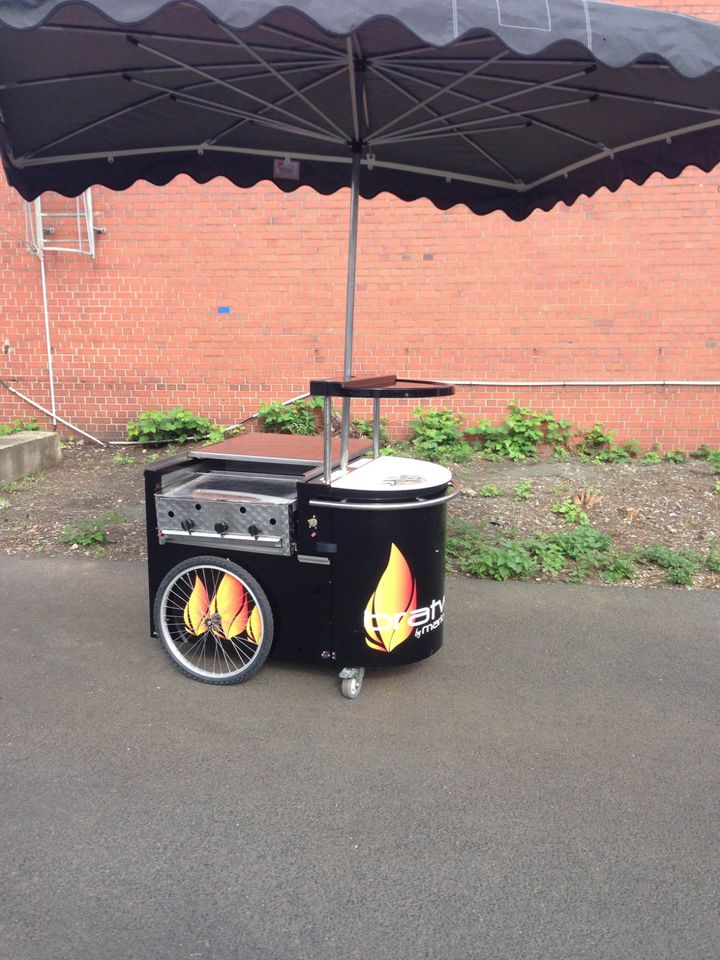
{"x": 620, "y": 287}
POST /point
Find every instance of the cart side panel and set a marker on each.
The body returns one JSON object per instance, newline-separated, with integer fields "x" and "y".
{"x": 299, "y": 596}
{"x": 388, "y": 585}
{"x": 299, "y": 593}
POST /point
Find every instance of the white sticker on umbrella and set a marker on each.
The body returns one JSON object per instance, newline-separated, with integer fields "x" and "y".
{"x": 287, "y": 170}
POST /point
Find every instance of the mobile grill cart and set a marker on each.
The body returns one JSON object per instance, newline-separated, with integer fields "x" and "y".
{"x": 302, "y": 547}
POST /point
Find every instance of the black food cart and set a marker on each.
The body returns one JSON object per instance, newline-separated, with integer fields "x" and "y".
{"x": 303, "y": 547}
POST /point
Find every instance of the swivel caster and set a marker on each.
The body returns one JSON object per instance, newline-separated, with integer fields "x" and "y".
{"x": 352, "y": 681}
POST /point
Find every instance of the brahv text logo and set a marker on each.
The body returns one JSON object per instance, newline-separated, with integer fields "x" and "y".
{"x": 392, "y": 614}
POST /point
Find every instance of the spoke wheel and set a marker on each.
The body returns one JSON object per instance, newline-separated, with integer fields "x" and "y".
{"x": 213, "y": 620}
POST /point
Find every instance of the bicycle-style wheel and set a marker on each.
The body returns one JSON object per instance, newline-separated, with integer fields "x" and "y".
{"x": 214, "y": 620}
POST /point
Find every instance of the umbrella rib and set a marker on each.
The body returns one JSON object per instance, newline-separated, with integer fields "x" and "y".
{"x": 236, "y": 90}
{"x": 609, "y": 152}
{"x": 505, "y": 113}
{"x": 89, "y": 126}
{"x": 490, "y": 103}
{"x": 106, "y": 74}
{"x": 611, "y": 94}
{"x": 289, "y": 96}
{"x": 229, "y": 111}
{"x": 490, "y": 38}
{"x": 174, "y": 37}
{"x": 278, "y": 76}
{"x": 353, "y": 90}
{"x": 291, "y": 35}
{"x": 448, "y": 126}
{"x": 448, "y": 175}
{"x": 446, "y": 89}
{"x": 179, "y": 148}
{"x": 439, "y": 134}
{"x": 529, "y": 85}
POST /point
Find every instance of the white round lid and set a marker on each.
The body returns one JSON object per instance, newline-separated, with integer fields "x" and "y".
{"x": 394, "y": 473}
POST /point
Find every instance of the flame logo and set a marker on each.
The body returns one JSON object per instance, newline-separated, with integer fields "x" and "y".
{"x": 389, "y": 609}
{"x": 227, "y": 614}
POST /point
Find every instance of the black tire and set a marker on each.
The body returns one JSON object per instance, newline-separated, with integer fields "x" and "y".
{"x": 199, "y": 605}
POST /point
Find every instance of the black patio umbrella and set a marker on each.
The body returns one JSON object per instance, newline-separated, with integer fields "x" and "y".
{"x": 509, "y": 105}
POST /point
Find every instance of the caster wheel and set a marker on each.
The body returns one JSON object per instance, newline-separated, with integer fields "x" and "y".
{"x": 352, "y": 681}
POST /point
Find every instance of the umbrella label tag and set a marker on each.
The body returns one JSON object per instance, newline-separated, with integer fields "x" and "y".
{"x": 287, "y": 170}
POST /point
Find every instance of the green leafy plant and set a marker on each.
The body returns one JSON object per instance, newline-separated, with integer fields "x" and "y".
{"x": 650, "y": 457}
{"x": 570, "y": 512}
{"x": 518, "y": 436}
{"x": 717, "y": 486}
{"x": 123, "y": 458}
{"x": 18, "y": 426}
{"x": 675, "y": 456}
{"x": 680, "y": 566}
{"x": 599, "y": 445}
{"x": 178, "y": 424}
{"x": 549, "y": 554}
{"x": 17, "y": 486}
{"x": 489, "y": 490}
{"x": 712, "y": 560}
{"x": 438, "y": 436}
{"x": 91, "y": 533}
{"x": 713, "y": 458}
{"x": 298, "y": 417}
{"x": 364, "y": 428}
{"x": 619, "y": 566}
{"x": 580, "y": 572}
{"x": 524, "y": 490}
{"x": 580, "y": 551}
{"x": 494, "y": 561}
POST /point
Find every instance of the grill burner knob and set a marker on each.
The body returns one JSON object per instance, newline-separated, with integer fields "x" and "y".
{"x": 254, "y": 531}
{"x": 187, "y": 525}
{"x": 220, "y": 527}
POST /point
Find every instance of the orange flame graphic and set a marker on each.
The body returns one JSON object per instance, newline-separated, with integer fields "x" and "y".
{"x": 230, "y": 603}
{"x": 227, "y": 614}
{"x": 389, "y": 608}
{"x": 196, "y": 609}
{"x": 254, "y": 627}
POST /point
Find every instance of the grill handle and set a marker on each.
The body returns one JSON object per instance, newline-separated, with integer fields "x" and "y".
{"x": 389, "y": 505}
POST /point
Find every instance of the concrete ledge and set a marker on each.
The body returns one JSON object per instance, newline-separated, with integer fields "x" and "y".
{"x": 28, "y": 452}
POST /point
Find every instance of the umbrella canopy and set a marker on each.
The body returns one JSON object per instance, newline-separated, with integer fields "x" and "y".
{"x": 507, "y": 105}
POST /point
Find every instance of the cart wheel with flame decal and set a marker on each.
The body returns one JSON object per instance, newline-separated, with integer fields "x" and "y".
{"x": 214, "y": 620}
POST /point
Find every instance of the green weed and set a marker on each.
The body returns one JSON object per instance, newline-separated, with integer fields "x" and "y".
{"x": 18, "y": 426}
{"x": 92, "y": 532}
{"x": 438, "y": 436}
{"x": 178, "y": 424}
{"x": 570, "y": 512}
{"x": 524, "y": 490}
{"x": 518, "y": 436}
{"x": 619, "y": 566}
{"x": 680, "y": 566}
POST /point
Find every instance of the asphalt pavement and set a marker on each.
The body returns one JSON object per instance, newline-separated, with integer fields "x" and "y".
{"x": 546, "y": 787}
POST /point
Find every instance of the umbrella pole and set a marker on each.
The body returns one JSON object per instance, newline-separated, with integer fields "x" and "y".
{"x": 350, "y": 306}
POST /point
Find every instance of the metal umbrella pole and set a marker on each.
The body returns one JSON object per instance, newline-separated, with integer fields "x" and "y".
{"x": 350, "y": 305}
